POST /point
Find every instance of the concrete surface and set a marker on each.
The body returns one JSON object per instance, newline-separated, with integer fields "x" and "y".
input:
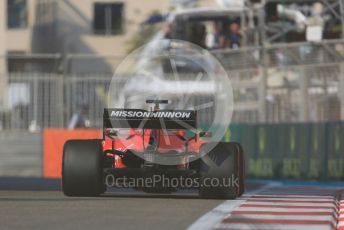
{"x": 20, "y": 154}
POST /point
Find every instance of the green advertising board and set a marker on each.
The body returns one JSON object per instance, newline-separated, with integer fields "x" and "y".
{"x": 291, "y": 151}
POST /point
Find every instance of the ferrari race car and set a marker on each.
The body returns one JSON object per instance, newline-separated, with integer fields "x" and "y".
{"x": 159, "y": 145}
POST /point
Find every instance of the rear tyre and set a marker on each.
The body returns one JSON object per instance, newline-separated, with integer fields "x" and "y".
{"x": 82, "y": 171}
{"x": 222, "y": 171}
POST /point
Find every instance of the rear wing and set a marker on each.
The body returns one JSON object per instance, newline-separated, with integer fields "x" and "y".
{"x": 142, "y": 119}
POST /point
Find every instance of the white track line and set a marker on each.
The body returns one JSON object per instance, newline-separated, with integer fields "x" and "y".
{"x": 287, "y": 209}
{"x": 212, "y": 218}
{"x": 271, "y": 227}
{"x": 261, "y": 210}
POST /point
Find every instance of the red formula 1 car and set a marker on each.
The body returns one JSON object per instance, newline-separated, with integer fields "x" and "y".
{"x": 153, "y": 152}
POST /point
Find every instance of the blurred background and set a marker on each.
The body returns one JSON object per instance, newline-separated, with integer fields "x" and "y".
{"x": 284, "y": 57}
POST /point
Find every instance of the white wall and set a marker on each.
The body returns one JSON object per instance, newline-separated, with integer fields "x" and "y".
{"x": 75, "y": 25}
{"x": 3, "y": 77}
{"x": 19, "y": 39}
{"x": 77, "y": 22}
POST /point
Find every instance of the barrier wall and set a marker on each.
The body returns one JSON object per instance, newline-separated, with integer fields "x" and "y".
{"x": 292, "y": 151}
{"x": 310, "y": 151}
{"x": 54, "y": 140}
{"x": 20, "y": 154}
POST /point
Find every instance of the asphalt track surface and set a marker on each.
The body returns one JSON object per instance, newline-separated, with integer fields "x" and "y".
{"x": 43, "y": 210}
{"x": 22, "y": 208}
{"x": 38, "y": 204}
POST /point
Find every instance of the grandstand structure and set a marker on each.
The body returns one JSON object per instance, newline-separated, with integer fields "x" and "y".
{"x": 318, "y": 61}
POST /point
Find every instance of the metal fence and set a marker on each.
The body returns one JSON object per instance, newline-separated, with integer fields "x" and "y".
{"x": 282, "y": 83}
{"x": 33, "y": 102}
{"x": 37, "y": 101}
